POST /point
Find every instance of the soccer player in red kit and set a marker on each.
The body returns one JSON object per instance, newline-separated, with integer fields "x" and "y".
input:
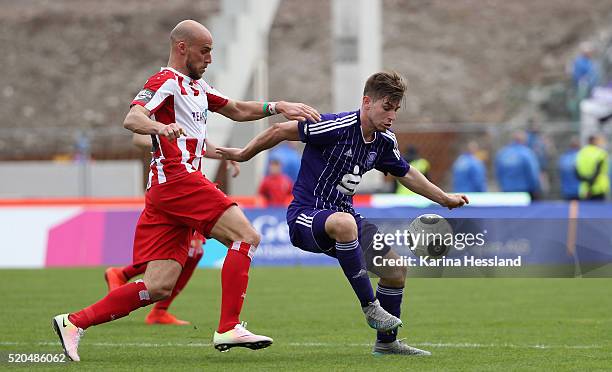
{"x": 173, "y": 107}
{"x": 115, "y": 277}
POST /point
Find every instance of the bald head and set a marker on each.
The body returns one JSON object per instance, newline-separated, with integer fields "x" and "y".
{"x": 190, "y": 48}
{"x": 189, "y": 31}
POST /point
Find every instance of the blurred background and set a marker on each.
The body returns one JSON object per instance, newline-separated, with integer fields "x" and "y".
{"x": 502, "y": 97}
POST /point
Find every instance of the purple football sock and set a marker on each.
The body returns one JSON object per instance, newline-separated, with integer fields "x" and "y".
{"x": 352, "y": 262}
{"x": 391, "y": 300}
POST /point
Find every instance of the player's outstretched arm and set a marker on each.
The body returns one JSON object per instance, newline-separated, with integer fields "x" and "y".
{"x": 138, "y": 121}
{"x": 251, "y": 110}
{"x": 278, "y": 132}
{"x": 416, "y": 181}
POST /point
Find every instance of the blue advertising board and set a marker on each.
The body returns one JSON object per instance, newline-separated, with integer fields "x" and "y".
{"x": 539, "y": 232}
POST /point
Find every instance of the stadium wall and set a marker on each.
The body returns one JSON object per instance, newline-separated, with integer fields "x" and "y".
{"x": 36, "y": 179}
{"x": 94, "y": 233}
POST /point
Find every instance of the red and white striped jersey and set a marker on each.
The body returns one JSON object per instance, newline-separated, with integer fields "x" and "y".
{"x": 173, "y": 97}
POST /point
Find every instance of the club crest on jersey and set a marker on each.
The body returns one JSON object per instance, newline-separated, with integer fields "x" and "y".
{"x": 199, "y": 115}
{"x": 144, "y": 96}
{"x": 370, "y": 160}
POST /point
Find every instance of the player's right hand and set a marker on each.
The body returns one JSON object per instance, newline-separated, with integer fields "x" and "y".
{"x": 171, "y": 131}
{"x": 297, "y": 111}
{"x": 455, "y": 201}
{"x": 231, "y": 153}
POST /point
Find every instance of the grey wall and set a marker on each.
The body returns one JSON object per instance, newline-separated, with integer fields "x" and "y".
{"x": 42, "y": 179}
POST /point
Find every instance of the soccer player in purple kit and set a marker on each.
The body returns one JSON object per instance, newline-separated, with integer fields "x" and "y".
{"x": 321, "y": 218}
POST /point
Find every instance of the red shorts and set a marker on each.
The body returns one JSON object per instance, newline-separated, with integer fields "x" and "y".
{"x": 173, "y": 211}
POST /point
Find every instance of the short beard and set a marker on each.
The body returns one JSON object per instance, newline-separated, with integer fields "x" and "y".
{"x": 192, "y": 72}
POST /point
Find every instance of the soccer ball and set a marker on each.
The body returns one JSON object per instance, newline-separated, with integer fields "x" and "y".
{"x": 428, "y": 233}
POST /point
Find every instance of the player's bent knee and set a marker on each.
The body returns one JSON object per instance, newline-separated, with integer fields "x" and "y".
{"x": 159, "y": 288}
{"x": 250, "y": 236}
{"x": 160, "y": 292}
{"x": 341, "y": 226}
{"x": 160, "y": 277}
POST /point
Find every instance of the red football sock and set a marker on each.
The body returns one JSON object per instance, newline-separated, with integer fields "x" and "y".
{"x": 234, "y": 281}
{"x": 117, "y": 304}
{"x": 131, "y": 271}
{"x": 188, "y": 269}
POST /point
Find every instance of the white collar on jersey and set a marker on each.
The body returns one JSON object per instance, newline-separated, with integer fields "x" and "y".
{"x": 363, "y": 138}
{"x": 178, "y": 73}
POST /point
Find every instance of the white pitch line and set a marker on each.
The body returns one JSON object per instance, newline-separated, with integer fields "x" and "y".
{"x": 315, "y": 344}
{"x": 512, "y": 346}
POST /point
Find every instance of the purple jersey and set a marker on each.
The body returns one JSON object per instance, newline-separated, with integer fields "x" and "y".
{"x": 335, "y": 158}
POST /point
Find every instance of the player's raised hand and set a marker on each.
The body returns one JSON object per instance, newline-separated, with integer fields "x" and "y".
{"x": 171, "y": 131}
{"x": 297, "y": 111}
{"x": 235, "y": 168}
{"x": 456, "y": 201}
{"x": 231, "y": 153}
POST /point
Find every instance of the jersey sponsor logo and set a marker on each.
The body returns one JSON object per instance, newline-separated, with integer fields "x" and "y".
{"x": 350, "y": 181}
{"x": 144, "y": 96}
{"x": 199, "y": 115}
{"x": 348, "y": 153}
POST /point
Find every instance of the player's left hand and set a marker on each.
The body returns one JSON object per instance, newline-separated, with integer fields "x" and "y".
{"x": 230, "y": 153}
{"x": 235, "y": 168}
{"x": 455, "y": 201}
{"x": 297, "y": 111}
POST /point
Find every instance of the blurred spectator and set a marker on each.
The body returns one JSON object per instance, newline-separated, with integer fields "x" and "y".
{"x": 82, "y": 148}
{"x": 276, "y": 187}
{"x": 516, "y": 167}
{"x": 585, "y": 74}
{"x": 541, "y": 148}
{"x": 592, "y": 169}
{"x": 469, "y": 172}
{"x": 537, "y": 143}
{"x": 289, "y": 157}
{"x": 411, "y": 155}
{"x": 567, "y": 171}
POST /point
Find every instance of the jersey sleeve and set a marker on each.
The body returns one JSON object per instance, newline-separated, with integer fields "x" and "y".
{"x": 216, "y": 99}
{"x": 391, "y": 161}
{"x": 326, "y": 131}
{"x": 155, "y": 91}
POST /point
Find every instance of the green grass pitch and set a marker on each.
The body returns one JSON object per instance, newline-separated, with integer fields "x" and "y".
{"x": 468, "y": 324}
